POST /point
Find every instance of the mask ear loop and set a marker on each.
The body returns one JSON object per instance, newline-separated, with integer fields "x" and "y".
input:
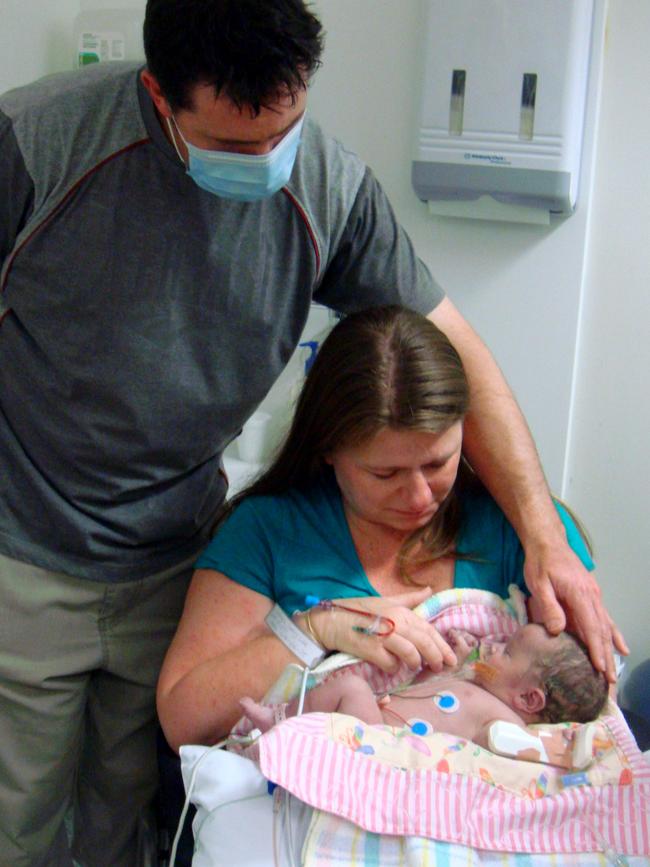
{"x": 171, "y": 132}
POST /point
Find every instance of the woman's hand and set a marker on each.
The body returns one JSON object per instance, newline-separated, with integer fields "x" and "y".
{"x": 566, "y": 596}
{"x": 413, "y": 641}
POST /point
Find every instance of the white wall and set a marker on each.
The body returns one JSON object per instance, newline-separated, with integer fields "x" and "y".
{"x": 35, "y": 39}
{"x": 609, "y": 466}
{"x": 520, "y": 285}
{"x": 524, "y": 287}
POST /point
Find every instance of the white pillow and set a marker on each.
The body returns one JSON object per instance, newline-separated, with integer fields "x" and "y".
{"x": 234, "y": 819}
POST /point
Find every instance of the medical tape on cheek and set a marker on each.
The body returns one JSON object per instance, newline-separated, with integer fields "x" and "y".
{"x": 485, "y": 671}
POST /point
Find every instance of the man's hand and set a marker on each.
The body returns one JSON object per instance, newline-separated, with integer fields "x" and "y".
{"x": 566, "y": 596}
{"x": 500, "y": 449}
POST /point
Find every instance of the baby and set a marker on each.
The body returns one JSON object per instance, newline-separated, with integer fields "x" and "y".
{"x": 498, "y": 690}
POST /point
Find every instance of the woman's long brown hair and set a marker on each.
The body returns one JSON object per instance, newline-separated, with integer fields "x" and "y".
{"x": 385, "y": 367}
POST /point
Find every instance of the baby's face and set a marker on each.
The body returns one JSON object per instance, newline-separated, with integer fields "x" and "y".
{"x": 508, "y": 663}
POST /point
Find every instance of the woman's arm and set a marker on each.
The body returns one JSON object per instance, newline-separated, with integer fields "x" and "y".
{"x": 499, "y": 447}
{"x": 222, "y": 650}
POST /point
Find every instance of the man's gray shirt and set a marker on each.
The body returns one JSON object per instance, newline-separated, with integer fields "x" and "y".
{"x": 144, "y": 319}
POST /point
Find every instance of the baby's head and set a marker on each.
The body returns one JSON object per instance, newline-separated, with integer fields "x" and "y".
{"x": 544, "y": 677}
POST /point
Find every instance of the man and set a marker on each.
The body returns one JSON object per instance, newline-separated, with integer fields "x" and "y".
{"x": 163, "y": 234}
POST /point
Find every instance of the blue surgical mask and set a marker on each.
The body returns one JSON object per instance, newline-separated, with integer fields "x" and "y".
{"x": 244, "y": 177}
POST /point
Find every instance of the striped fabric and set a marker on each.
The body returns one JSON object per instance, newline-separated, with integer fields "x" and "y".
{"x": 299, "y": 756}
{"x": 382, "y": 799}
{"x": 334, "y": 842}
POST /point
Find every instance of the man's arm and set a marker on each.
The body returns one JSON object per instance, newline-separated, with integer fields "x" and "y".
{"x": 500, "y": 448}
{"x": 16, "y": 188}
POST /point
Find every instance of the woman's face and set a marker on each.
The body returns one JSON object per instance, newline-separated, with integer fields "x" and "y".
{"x": 398, "y": 478}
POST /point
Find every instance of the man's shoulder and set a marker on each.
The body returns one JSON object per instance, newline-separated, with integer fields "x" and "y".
{"x": 326, "y": 177}
{"x": 321, "y": 152}
{"x": 61, "y": 91}
{"x": 67, "y": 124}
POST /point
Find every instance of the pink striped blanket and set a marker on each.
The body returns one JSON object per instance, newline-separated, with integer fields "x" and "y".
{"x": 303, "y": 757}
{"x": 389, "y": 781}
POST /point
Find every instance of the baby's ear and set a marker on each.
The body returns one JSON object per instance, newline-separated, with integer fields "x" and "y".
{"x": 531, "y": 699}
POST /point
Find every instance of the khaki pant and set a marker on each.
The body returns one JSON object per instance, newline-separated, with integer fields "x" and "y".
{"x": 79, "y": 662}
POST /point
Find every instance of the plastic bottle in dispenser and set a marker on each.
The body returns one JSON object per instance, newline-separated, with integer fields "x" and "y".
{"x": 106, "y": 30}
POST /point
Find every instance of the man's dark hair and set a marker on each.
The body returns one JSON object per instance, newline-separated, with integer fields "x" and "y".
{"x": 252, "y": 51}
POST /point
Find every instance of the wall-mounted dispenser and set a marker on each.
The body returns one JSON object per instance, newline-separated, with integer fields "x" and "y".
{"x": 106, "y": 30}
{"x": 503, "y": 107}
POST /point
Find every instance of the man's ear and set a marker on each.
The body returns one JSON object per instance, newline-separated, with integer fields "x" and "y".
{"x": 530, "y": 699}
{"x": 153, "y": 89}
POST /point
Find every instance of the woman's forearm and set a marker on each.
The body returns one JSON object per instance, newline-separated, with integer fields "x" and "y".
{"x": 202, "y": 706}
{"x": 198, "y": 699}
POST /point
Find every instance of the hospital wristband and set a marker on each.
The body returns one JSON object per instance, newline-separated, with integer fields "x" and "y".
{"x": 308, "y": 652}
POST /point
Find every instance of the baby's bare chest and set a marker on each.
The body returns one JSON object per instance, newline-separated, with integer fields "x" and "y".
{"x": 451, "y": 706}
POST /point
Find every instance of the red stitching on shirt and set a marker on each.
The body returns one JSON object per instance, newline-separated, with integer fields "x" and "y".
{"x": 58, "y": 207}
{"x": 312, "y": 235}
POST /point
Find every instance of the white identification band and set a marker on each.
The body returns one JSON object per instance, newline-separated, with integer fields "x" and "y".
{"x": 294, "y": 638}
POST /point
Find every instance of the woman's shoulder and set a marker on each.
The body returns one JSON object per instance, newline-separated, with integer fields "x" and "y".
{"x": 480, "y": 513}
{"x": 492, "y": 556}
{"x": 250, "y": 537}
{"x": 485, "y": 531}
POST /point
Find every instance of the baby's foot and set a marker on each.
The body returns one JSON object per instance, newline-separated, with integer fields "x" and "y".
{"x": 262, "y": 716}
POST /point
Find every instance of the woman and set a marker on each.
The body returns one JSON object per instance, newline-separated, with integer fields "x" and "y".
{"x": 368, "y": 501}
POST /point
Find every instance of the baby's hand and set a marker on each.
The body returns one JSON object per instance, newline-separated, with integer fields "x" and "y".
{"x": 462, "y": 643}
